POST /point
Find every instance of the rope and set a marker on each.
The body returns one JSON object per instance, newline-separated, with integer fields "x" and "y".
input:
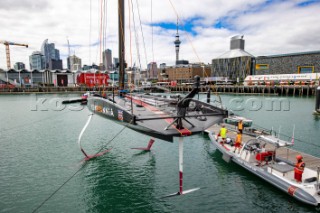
{"x": 90, "y": 36}
{"x": 152, "y": 31}
{"x": 105, "y": 21}
{"x": 100, "y": 34}
{"x": 130, "y": 33}
{"x": 48, "y": 198}
{"x": 188, "y": 37}
{"x": 76, "y": 172}
{"x": 144, "y": 45}
{"x": 136, "y": 36}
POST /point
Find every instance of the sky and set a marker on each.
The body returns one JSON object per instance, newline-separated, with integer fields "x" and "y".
{"x": 270, "y": 27}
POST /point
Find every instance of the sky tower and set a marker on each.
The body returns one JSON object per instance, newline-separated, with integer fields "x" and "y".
{"x": 177, "y": 43}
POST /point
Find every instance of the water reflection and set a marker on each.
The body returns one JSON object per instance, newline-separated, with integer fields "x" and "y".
{"x": 115, "y": 183}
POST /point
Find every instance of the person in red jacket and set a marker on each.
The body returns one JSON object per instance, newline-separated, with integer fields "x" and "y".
{"x": 299, "y": 168}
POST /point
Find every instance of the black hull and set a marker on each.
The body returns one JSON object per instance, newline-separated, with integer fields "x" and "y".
{"x": 113, "y": 112}
{"x": 151, "y": 120}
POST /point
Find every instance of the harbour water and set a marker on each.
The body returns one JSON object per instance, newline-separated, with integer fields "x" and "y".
{"x": 39, "y": 154}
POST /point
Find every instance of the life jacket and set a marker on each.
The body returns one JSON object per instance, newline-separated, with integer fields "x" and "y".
{"x": 239, "y": 138}
{"x": 299, "y": 168}
{"x": 240, "y": 125}
{"x": 223, "y": 132}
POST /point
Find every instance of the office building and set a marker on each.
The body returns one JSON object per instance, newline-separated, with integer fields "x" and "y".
{"x": 37, "y": 61}
{"x": 19, "y": 66}
{"x": 107, "y": 59}
{"x": 74, "y": 63}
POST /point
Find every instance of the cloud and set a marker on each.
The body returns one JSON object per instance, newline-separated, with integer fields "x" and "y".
{"x": 268, "y": 26}
{"x": 25, "y": 5}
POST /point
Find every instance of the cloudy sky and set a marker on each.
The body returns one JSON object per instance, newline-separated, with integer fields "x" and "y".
{"x": 269, "y": 27}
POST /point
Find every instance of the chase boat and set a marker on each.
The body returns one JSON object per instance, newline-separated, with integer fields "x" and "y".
{"x": 259, "y": 156}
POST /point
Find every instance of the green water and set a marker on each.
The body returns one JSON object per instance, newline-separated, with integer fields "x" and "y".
{"x": 39, "y": 153}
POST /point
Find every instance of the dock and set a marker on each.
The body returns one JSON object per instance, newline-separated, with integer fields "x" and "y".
{"x": 281, "y": 90}
{"x": 285, "y": 153}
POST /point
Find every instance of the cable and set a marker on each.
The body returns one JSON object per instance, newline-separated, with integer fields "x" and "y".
{"x": 101, "y": 30}
{"x": 136, "y": 36}
{"x": 90, "y": 63}
{"x": 144, "y": 45}
{"x": 188, "y": 37}
{"x": 152, "y": 31}
{"x": 48, "y": 198}
{"x": 130, "y": 45}
{"x": 83, "y": 165}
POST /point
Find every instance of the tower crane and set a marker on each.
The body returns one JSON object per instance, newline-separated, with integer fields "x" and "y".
{"x": 7, "y": 43}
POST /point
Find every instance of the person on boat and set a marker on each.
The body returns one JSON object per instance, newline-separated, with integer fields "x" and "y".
{"x": 238, "y": 142}
{"x": 240, "y": 126}
{"x": 223, "y": 133}
{"x": 299, "y": 168}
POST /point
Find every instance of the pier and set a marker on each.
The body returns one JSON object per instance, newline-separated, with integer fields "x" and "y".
{"x": 281, "y": 90}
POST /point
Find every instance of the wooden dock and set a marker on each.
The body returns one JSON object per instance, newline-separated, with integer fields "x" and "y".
{"x": 288, "y": 154}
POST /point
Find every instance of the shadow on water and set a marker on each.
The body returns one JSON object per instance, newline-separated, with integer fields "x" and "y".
{"x": 316, "y": 117}
{"x": 258, "y": 194}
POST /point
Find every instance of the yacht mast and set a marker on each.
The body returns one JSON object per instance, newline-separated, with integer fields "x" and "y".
{"x": 121, "y": 44}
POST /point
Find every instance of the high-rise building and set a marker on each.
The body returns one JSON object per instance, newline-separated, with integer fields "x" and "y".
{"x": 55, "y": 64}
{"x": 50, "y": 53}
{"x": 107, "y": 59}
{"x": 74, "y": 63}
{"x": 152, "y": 70}
{"x": 37, "y": 61}
{"x": 115, "y": 62}
{"x": 19, "y": 66}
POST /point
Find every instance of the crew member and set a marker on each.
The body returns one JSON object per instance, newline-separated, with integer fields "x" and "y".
{"x": 299, "y": 168}
{"x": 240, "y": 126}
{"x": 238, "y": 142}
{"x": 223, "y": 133}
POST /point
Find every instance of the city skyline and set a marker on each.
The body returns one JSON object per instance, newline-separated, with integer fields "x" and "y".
{"x": 269, "y": 27}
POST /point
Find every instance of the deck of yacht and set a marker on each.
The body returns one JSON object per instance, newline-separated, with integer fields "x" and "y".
{"x": 312, "y": 162}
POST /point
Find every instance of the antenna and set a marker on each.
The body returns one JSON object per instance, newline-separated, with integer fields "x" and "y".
{"x": 68, "y": 46}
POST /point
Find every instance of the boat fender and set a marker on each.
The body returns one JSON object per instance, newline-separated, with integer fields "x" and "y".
{"x": 229, "y": 141}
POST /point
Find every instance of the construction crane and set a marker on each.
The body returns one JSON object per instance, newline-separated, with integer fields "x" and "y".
{"x": 7, "y": 43}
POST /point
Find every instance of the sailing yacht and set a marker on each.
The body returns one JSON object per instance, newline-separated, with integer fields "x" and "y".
{"x": 157, "y": 116}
